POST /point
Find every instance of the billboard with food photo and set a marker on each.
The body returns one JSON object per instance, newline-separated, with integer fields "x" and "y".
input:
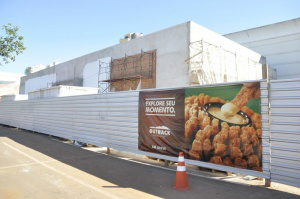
{"x": 220, "y": 125}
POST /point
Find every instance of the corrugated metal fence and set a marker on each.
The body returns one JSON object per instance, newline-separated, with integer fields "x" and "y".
{"x": 108, "y": 120}
{"x": 285, "y": 131}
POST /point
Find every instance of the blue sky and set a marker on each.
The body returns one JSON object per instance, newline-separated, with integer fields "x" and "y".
{"x": 60, "y": 30}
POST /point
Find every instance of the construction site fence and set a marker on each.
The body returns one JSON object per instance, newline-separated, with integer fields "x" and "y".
{"x": 111, "y": 120}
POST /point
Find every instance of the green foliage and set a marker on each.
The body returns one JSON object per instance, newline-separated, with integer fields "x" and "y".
{"x": 11, "y": 44}
{"x": 27, "y": 70}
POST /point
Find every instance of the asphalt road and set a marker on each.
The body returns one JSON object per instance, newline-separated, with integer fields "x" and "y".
{"x": 35, "y": 166}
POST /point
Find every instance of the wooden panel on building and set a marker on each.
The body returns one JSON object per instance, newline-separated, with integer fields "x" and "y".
{"x": 126, "y": 73}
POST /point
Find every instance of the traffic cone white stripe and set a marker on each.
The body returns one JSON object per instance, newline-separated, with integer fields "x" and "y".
{"x": 180, "y": 159}
{"x": 181, "y": 168}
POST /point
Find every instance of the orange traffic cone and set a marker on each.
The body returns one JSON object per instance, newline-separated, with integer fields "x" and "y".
{"x": 181, "y": 182}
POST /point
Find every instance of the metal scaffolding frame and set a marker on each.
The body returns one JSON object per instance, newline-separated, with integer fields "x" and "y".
{"x": 126, "y": 70}
{"x": 204, "y": 56}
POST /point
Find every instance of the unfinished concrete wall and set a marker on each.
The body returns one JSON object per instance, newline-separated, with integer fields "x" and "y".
{"x": 171, "y": 69}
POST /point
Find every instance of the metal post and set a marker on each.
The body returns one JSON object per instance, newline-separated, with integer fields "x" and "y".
{"x": 141, "y": 67}
{"x": 166, "y": 163}
{"x": 107, "y": 150}
{"x": 99, "y": 73}
{"x": 267, "y": 183}
{"x": 110, "y": 74}
{"x": 124, "y": 72}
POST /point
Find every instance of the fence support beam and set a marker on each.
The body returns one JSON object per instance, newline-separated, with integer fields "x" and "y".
{"x": 166, "y": 163}
{"x": 267, "y": 183}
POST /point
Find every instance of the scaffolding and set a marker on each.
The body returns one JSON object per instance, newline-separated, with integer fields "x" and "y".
{"x": 103, "y": 76}
{"x": 128, "y": 71}
{"x": 209, "y": 64}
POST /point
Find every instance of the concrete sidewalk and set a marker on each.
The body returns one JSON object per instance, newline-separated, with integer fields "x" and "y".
{"x": 36, "y": 166}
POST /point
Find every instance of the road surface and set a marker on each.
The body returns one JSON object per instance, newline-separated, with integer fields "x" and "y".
{"x": 36, "y": 166}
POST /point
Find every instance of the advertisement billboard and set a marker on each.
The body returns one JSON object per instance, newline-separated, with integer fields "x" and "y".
{"x": 220, "y": 125}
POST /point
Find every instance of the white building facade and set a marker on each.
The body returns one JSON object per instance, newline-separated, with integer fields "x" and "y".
{"x": 279, "y": 43}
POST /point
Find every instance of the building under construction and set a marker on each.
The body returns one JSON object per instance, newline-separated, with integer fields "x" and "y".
{"x": 178, "y": 56}
{"x": 128, "y": 73}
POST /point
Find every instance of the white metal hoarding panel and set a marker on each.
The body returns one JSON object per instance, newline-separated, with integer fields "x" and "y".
{"x": 102, "y": 119}
{"x": 285, "y": 131}
{"x": 108, "y": 120}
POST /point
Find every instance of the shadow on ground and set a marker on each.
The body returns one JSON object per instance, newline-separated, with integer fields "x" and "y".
{"x": 122, "y": 173}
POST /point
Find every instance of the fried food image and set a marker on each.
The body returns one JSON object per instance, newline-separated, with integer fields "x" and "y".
{"x": 193, "y": 112}
{"x": 234, "y": 132}
{"x": 235, "y": 152}
{"x": 201, "y": 143}
{"x": 224, "y": 133}
{"x": 211, "y": 139}
{"x": 247, "y": 149}
{"x": 247, "y": 110}
{"x": 251, "y": 131}
{"x": 259, "y": 151}
{"x": 225, "y": 126}
{"x": 235, "y": 142}
{"x": 216, "y": 160}
{"x": 215, "y": 126}
{"x": 254, "y": 141}
{"x": 218, "y": 139}
{"x": 195, "y": 155}
{"x": 206, "y": 99}
{"x": 257, "y": 169}
{"x": 245, "y": 138}
{"x": 206, "y": 147}
{"x": 199, "y": 136}
{"x": 204, "y": 134}
{"x": 244, "y": 130}
{"x": 240, "y": 163}
{"x": 196, "y": 101}
{"x": 240, "y": 100}
{"x": 220, "y": 150}
{"x": 253, "y": 161}
{"x": 227, "y": 161}
{"x": 189, "y": 100}
{"x": 201, "y": 115}
{"x": 222, "y": 136}
{"x": 259, "y": 133}
{"x": 235, "y": 128}
{"x": 205, "y": 122}
{"x": 197, "y": 146}
{"x": 245, "y": 94}
{"x": 201, "y": 100}
{"x": 190, "y": 127}
{"x": 256, "y": 120}
{"x": 207, "y": 131}
{"x": 217, "y": 99}
{"x": 187, "y": 112}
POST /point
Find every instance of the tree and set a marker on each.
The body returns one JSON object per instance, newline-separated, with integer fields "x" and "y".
{"x": 27, "y": 70}
{"x": 11, "y": 44}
